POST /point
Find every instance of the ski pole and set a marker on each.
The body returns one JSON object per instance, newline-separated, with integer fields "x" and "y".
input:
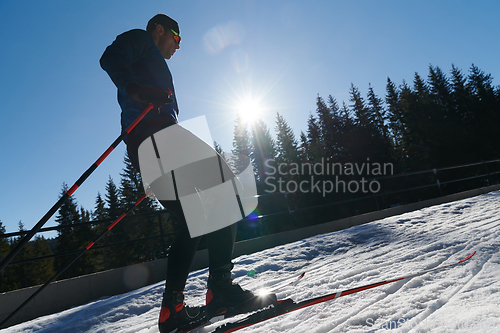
{"x": 85, "y": 249}
{"x": 66, "y": 195}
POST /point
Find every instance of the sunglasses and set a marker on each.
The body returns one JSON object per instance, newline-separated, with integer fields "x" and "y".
{"x": 177, "y": 37}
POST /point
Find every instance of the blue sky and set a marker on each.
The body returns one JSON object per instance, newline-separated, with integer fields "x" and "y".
{"x": 59, "y": 109}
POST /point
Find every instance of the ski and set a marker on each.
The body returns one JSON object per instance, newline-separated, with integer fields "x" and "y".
{"x": 261, "y": 292}
{"x": 279, "y": 286}
{"x": 288, "y": 305}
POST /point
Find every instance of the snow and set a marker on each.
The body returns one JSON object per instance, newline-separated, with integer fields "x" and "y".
{"x": 464, "y": 298}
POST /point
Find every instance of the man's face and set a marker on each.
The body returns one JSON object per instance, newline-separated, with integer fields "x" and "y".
{"x": 167, "y": 44}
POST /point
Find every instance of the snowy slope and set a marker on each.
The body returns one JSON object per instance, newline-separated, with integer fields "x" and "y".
{"x": 465, "y": 298}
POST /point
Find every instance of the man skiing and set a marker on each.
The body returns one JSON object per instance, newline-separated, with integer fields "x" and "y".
{"x": 135, "y": 62}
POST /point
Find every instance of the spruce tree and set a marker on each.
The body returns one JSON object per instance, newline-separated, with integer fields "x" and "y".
{"x": 112, "y": 255}
{"x": 396, "y": 121}
{"x": 364, "y": 132}
{"x": 378, "y": 113}
{"x": 330, "y": 126}
{"x": 241, "y": 145}
{"x": 314, "y": 138}
{"x": 417, "y": 124}
{"x": 4, "y": 243}
{"x": 287, "y": 155}
{"x": 380, "y": 142}
{"x": 409, "y": 138}
{"x": 39, "y": 271}
{"x": 358, "y": 107}
{"x": 218, "y": 149}
{"x": 424, "y": 122}
{"x": 112, "y": 200}
{"x": 263, "y": 148}
{"x": 85, "y": 234}
{"x": 303, "y": 147}
{"x": 30, "y": 272}
{"x": 19, "y": 270}
{"x": 462, "y": 108}
{"x": 99, "y": 212}
{"x": 66, "y": 239}
{"x": 336, "y": 134}
{"x": 286, "y": 144}
{"x": 485, "y": 108}
{"x": 446, "y": 127}
{"x": 347, "y": 137}
{"x": 440, "y": 88}
{"x": 6, "y": 276}
{"x": 131, "y": 189}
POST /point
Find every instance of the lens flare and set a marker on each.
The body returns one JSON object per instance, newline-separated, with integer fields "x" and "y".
{"x": 222, "y": 36}
{"x": 249, "y": 110}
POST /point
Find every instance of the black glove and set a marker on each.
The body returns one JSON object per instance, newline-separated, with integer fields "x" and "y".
{"x": 155, "y": 95}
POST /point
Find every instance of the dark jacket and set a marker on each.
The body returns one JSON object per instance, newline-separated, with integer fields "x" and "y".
{"x": 134, "y": 57}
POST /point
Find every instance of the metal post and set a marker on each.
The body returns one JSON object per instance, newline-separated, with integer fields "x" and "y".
{"x": 437, "y": 182}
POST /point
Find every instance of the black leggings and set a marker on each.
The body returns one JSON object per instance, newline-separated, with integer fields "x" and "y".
{"x": 181, "y": 254}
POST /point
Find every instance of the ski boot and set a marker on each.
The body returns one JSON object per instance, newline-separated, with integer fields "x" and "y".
{"x": 226, "y": 298}
{"x": 175, "y": 316}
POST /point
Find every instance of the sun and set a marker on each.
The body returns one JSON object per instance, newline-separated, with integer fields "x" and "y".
{"x": 249, "y": 110}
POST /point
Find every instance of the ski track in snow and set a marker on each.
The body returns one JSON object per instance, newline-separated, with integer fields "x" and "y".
{"x": 464, "y": 298}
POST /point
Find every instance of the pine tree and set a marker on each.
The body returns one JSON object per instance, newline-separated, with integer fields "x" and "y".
{"x": 315, "y": 143}
{"x": 347, "y": 137}
{"x": 18, "y": 271}
{"x": 112, "y": 255}
{"x": 39, "y": 271}
{"x": 29, "y": 272}
{"x": 241, "y": 145}
{"x": 131, "y": 189}
{"x": 440, "y": 88}
{"x": 218, "y": 149}
{"x": 364, "y": 131}
{"x": 396, "y": 122}
{"x": 112, "y": 200}
{"x": 417, "y": 123}
{"x": 337, "y": 131}
{"x": 330, "y": 126}
{"x": 286, "y": 144}
{"x": 358, "y": 106}
{"x": 315, "y": 140}
{"x": 99, "y": 212}
{"x": 380, "y": 142}
{"x": 263, "y": 148}
{"x": 263, "y": 151}
{"x": 446, "y": 126}
{"x": 6, "y": 276}
{"x": 378, "y": 113}
{"x": 485, "y": 108}
{"x": 287, "y": 155}
{"x": 84, "y": 234}
{"x": 303, "y": 147}
{"x": 4, "y": 243}
{"x": 427, "y": 123}
{"x": 67, "y": 241}
{"x": 462, "y": 108}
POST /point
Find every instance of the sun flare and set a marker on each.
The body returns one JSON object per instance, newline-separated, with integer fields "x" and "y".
{"x": 249, "y": 110}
